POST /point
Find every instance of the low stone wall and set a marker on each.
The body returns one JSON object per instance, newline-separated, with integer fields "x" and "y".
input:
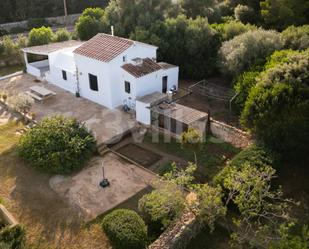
{"x": 58, "y": 20}
{"x": 230, "y": 134}
{"x": 179, "y": 235}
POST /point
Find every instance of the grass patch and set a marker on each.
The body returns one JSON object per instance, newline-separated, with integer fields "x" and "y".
{"x": 10, "y": 69}
{"x": 211, "y": 158}
{"x": 8, "y": 136}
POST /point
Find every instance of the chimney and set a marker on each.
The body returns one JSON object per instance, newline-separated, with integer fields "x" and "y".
{"x": 112, "y": 30}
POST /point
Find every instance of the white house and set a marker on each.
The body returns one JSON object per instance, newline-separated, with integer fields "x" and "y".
{"x": 109, "y": 70}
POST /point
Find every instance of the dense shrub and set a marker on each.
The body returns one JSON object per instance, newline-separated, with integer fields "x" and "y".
{"x": 162, "y": 206}
{"x": 12, "y": 237}
{"x": 10, "y": 47}
{"x": 57, "y": 145}
{"x": 20, "y": 103}
{"x": 244, "y": 13}
{"x": 242, "y": 86}
{"x": 255, "y": 156}
{"x": 165, "y": 168}
{"x": 277, "y": 109}
{"x": 62, "y": 35}
{"x": 296, "y": 38}
{"x": 21, "y": 41}
{"x": 40, "y": 36}
{"x": 125, "y": 229}
{"x": 248, "y": 49}
{"x": 229, "y": 30}
{"x": 89, "y": 23}
{"x": 279, "y": 14}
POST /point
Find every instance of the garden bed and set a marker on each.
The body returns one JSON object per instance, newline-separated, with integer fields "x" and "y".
{"x": 140, "y": 155}
{"x": 210, "y": 159}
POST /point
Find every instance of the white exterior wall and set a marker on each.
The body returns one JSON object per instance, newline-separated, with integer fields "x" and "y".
{"x": 143, "y": 114}
{"x": 117, "y": 76}
{"x": 60, "y": 61}
{"x": 33, "y": 68}
{"x": 100, "y": 69}
{"x": 172, "y": 74}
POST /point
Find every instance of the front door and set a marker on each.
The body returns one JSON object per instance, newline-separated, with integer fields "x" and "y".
{"x": 164, "y": 84}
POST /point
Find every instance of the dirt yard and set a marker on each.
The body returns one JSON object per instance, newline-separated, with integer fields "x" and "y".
{"x": 84, "y": 192}
{"x": 219, "y": 110}
{"x": 50, "y": 222}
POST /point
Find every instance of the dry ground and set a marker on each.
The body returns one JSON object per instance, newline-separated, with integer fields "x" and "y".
{"x": 83, "y": 191}
{"x": 50, "y": 222}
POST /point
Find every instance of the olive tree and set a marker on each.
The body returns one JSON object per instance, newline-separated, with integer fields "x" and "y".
{"x": 244, "y": 13}
{"x": 296, "y": 38}
{"x": 263, "y": 210}
{"x": 248, "y": 49}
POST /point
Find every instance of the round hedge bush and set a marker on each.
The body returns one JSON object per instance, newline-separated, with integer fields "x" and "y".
{"x": 57, "y": 145}
{"x": 125, "y": 229}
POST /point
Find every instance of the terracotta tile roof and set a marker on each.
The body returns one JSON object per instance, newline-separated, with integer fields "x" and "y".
{"x": 147, "y": 66}
{"x": 104, "y": 47}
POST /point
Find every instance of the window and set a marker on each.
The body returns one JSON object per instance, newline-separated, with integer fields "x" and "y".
{"x": 64, "y": 75}
{"x": 93, "y": 82}
{"x": 127, "y": 87}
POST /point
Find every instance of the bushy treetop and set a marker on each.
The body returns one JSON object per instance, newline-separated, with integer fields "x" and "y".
{"x": 125, "y": 229}
{"x": 57, "y": 145}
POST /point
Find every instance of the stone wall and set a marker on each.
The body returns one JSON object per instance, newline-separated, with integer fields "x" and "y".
{"x": 54, "y": 21}
{"x": 230, "y": 134}
{"x": 178, "y": 235}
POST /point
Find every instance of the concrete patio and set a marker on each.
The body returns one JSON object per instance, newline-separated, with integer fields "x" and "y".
{"x": 107, "y": 125}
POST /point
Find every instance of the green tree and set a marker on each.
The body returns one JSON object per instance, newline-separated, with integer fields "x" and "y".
{"x": 242, "y": 85}
{"x": 40, "y": 36}
{"x": 263, "y": 210}
{"x": 229, "y": 30}
{"x": 125, "y": 229}
{"x": 290, "y": 241}
{"x": 139, "y": 13}
{"x": 277, "y": 108}
{"x": 296, "y": 38}
{"x": 282, "y": 13}
{"x": 244, "y": 13}
{"x": 89, "y": 23}
{"x": 163, "y": 205}
{"x": 208, "y": 206}
{"x": 57, "y": 145}
{"x": 255, "y": 47}
{"x": 62, "y": 35}
{"x": 191, "y": 140}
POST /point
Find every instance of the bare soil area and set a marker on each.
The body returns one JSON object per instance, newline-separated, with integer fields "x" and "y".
{"x": 84, "y": 192}
{"x": 218, "y": 109}
{"x": 50, "y": 222}
{"x": 144, "y": 157}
